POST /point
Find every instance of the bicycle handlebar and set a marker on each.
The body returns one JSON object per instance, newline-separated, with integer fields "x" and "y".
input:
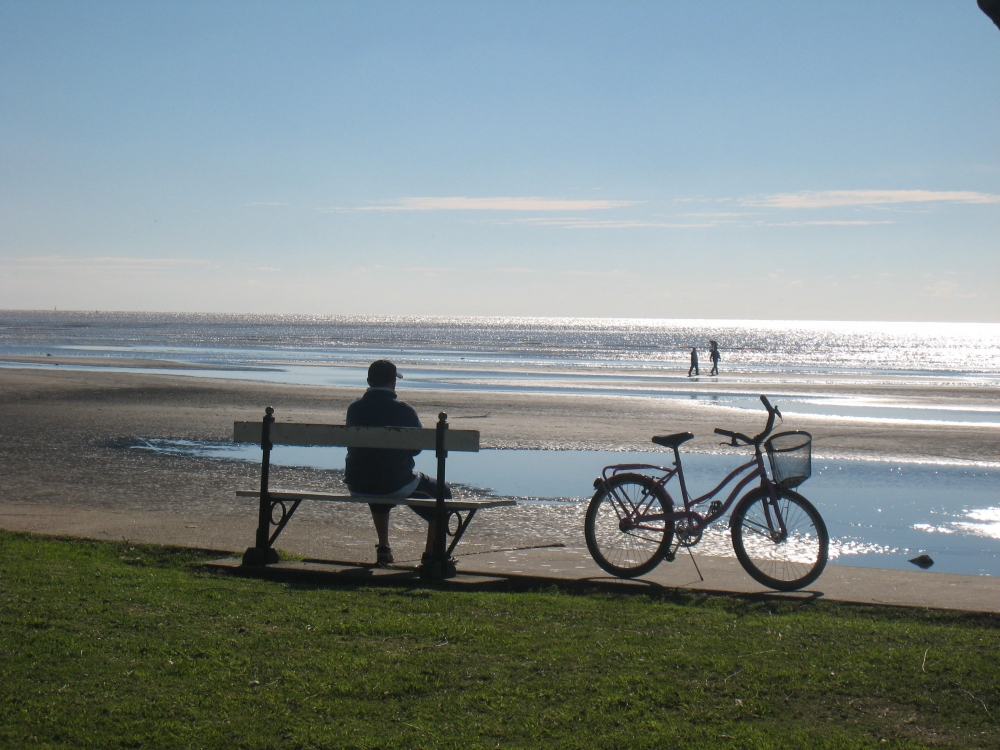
{"x": 734, "y": 436}
{"x": 767, "y": 405}
{"x": 772, "y": 412}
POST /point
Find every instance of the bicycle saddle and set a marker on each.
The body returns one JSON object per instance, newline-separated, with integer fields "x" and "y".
{"x": 672, "y": 441}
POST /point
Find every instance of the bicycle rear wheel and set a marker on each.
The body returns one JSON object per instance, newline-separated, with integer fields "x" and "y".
{"x": 783, "y": 561}
{"x": 626, "y": 531}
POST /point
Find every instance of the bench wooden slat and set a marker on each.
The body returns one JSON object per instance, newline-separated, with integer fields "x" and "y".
{"x": 330, "y": 435}
{"x": 416, "y": 501}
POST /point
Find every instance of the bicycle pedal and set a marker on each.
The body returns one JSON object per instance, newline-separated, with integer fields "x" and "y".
{"x": 670, "y": 556}
{"x": 714, "y": 507}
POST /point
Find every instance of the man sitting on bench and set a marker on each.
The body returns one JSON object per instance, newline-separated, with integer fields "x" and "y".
{"x": 383, "y": 472}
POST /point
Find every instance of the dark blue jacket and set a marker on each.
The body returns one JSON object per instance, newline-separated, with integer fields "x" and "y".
{"x": 378, "y": 471}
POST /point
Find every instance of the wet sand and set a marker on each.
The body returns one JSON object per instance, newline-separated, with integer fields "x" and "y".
{"x": 132, "y": 362}
{"x": 65, "y": 466}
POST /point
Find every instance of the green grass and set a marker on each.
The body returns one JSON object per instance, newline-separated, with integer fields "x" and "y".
{"x": 117, "y": 645}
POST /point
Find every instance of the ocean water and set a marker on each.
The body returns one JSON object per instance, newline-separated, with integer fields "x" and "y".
{"x": 878, "y": 513}
{"x": 626, "y": 357}
{"x": 951, "y": 350}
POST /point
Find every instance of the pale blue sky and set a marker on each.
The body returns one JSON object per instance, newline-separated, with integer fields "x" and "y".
{"x": 688, "y": 159}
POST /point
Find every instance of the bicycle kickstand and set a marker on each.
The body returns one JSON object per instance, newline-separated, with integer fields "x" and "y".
{"x": 696, "y": 565}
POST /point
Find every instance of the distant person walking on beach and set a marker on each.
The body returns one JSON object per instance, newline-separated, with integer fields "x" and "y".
{"x": 714, "y": 354}
{"x": 382, "y": 472}
{"x": 694, "y": 362}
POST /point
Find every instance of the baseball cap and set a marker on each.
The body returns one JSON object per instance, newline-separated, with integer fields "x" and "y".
{"x": 383, "y": 371}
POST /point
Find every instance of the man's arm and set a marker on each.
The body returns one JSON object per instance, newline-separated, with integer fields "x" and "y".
{"x": 351, "y": 419}
{"x": 405, "y": 415}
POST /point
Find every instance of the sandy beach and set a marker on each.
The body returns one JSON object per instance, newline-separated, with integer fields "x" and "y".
{"x": 66, "y": 466}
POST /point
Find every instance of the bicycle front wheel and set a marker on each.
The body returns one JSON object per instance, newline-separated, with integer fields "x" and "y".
{"x": 783, "y": 560}
{"x": 626, "y": 529}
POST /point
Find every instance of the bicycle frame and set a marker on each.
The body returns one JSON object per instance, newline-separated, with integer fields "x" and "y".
{"x": 636, "y": 516}
{"x": 697, "y": 520}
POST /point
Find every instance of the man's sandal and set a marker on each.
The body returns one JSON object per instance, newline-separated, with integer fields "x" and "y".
{"x": 384, "y": 555}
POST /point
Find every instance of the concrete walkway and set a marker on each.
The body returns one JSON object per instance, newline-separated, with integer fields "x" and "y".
{"x": 566, "y": 565}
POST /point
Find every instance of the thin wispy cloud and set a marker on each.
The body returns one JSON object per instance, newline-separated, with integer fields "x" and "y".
{"x": 101, "y": 263}
{"x": 458, "y": 203}
{"x": 567, "y": 272}
{"x": 573, "y": 223}
{"x": 720, "y": 214}
{"x": 723, "y": 220}
{"x": 702, "y": 199}
{"x": 831, "y": 223}
{"x": 841, "y": 198}
{"x": 577, "y": 208}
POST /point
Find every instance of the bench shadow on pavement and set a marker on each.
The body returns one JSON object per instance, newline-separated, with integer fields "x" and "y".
{"x": 313, "y": 573}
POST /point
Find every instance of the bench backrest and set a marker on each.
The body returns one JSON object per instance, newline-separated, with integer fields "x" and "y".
{"x": 335, "y": 435}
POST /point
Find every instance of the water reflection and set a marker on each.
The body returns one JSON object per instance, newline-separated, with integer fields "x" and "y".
{"x": 878, "y": 514}
{"x": 988, "y": 526}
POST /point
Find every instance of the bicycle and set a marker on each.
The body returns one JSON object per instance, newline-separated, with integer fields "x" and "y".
{"x": 779, "y": 537}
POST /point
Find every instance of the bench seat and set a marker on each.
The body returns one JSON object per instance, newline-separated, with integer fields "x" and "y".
{"x": 418, "y": 502}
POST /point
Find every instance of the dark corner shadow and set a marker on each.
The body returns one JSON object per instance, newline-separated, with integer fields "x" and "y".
{"x": 343, "y": 574}
{"x": 992, "y": 9}
{"x": 643, "y": 587}
{"x": 313, "y": 574}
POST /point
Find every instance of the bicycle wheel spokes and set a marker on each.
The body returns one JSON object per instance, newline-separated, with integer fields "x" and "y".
{"x": 782, "y": 559}
{"x": 638, "y": 509}
{"x": 626, "y": 529}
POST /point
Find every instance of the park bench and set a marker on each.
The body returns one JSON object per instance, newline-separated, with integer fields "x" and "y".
{"x": 267, "y": 433}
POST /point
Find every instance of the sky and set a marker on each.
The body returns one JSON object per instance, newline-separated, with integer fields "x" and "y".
{"x": 740, "y": 160}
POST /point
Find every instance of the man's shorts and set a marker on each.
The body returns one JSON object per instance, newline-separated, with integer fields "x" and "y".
{"x": 426, "y": 487}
